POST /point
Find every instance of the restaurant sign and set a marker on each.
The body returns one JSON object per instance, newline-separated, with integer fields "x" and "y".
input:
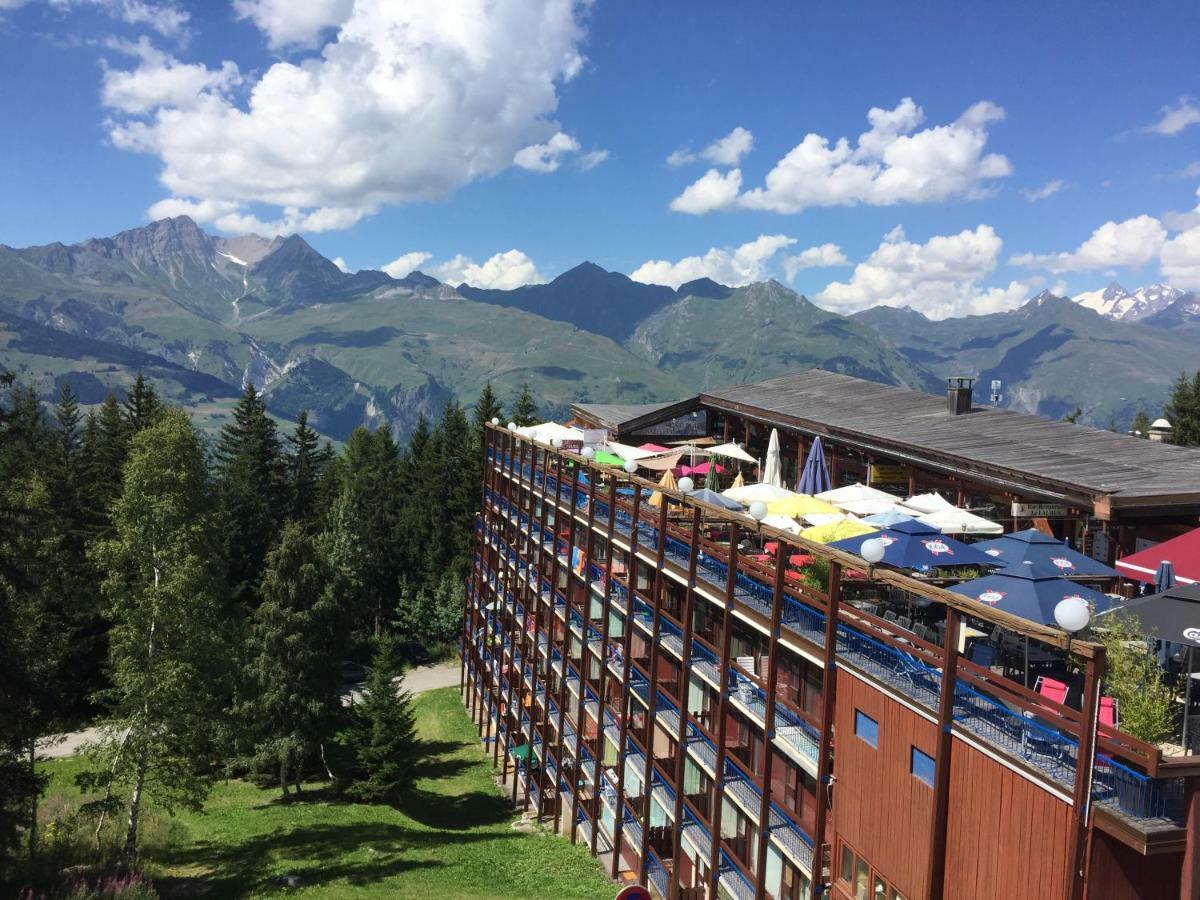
{"x": 883, "y": 474}
{"x": 1038, "y": 510}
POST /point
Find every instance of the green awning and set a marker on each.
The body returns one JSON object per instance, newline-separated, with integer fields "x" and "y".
{"x": 609, "y": 459}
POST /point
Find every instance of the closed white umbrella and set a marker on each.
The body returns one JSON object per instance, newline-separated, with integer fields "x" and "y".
{"x": 773, "y": 470}
{"x": 873, "y": 507}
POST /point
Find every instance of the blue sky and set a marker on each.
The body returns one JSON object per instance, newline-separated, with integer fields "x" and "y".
{"x": 383, "y": 131}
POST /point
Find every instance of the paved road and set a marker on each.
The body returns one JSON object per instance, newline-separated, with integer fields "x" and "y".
{"x": 416, "y": 681}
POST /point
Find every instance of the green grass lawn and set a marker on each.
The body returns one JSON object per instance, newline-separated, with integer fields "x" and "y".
{"x": 453, "y": 839}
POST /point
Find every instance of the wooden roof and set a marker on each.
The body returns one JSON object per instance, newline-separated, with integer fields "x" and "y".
{"x": 1062, "y": 459}
{"x": 628, "y": 418}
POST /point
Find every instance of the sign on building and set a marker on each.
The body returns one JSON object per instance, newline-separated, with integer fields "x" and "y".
{"x": 1038, "y": 510}
{"x": 885, "y": 474}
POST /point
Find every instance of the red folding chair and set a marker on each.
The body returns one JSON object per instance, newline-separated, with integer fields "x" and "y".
{"x": 1051, "y": 689}
{"x": 1108, "y": 711}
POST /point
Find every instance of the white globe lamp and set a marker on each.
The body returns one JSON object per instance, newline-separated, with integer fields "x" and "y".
{"x": 512, "y": 426}
{"x": 758, "y": 511}
{"x": 631, "y": 466}
{"x": 1072, "y": 614}
{"x": 685, "y": 485}
{"x": 589, "y": 452}
{"x": 495, "y": 420}
{"x": 872, "y": 550}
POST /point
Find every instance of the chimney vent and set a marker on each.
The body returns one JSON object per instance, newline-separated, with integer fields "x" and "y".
{"x": 958, "y": 395}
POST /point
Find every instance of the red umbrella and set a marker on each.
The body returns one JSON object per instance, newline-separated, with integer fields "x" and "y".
{"x": 654, "y": 448}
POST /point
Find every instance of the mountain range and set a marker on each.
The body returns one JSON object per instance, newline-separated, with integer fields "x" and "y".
{"x": 203, "y": 315}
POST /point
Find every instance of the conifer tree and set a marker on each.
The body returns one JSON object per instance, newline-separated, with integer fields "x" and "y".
{"x": 487, "y": 407}
{"x": 141, "y": 406}
{"x": 525, "y": 410}
{"x": 1141, "y": 424}
{"x": 1183, "y": 410}
{"x": 167, "y": 647}
{"x": 306, "y": 463}
{"x": 382, "y": 735}
{"x": 296, "y": 641}
{"x": 252, "y": 487}
{"x": 102, "y": 452}
{"x": 66, "y": 413}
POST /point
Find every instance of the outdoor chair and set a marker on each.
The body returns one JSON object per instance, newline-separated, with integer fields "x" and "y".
{"x": 870, "y": 609}
{"x": 983, "y": 655}
{"x": 1108, "y": 712}
{"x": 890, "y": 615}
{"x": 1051, "y": 689}
{"x": 904, "y": 622}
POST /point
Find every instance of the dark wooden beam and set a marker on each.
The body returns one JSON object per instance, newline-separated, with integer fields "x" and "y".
{"x": 936, "y": 868}
{"x": 782, "y": 552}
{"x": 825, "y": 744}
{"x": 1085, "y": 762}
{"x": 723, "y": 709}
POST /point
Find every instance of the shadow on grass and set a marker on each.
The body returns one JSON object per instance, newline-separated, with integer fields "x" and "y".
{"x": 323, "y": 853}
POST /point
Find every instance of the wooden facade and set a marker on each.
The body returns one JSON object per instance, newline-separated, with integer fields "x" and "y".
{"x": 695, "y": 715}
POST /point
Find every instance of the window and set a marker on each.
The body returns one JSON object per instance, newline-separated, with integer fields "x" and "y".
{"x": 866, "y": 728}
{"x": 847, "y": 870}
{"x": 922, "y": 766}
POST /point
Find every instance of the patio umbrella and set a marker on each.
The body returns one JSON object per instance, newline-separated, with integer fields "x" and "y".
{"x": 654, "y": 448}
{"x": 1183, "y": 551}
{"x": 732, "y": 451}
{"x": 668, "y": 482}
{"x": 928, "y": 503}
{"x": 958, "y": 521}
{"x": 783, "y": 523}
{"x": 711, "y": 480}
{"x": 1172, "y": 615}
{"x": 836, "y": 531}
{"x": 824, "y": 518}
{"x": 871, "y": 507}
{"x": 856, "y": 492}
{"x": 815, "y": 477}
{"x": 753, "y": 493}
{"x": 1035, "y": 546}
{"x": 712, "y": 498}
{"x": 891, "y": 517}
{"x": 1031, "y": 591}
{"x": 800, "y": 505}
{"x": 913, "y": 544}
{"x": 773, "y": 471}
{"x": 739, "y": 481}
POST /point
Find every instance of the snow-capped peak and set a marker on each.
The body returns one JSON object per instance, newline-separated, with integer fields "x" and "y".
{"x": 1114, "y": 302}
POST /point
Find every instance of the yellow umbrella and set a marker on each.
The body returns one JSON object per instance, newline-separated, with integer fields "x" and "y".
{"x": 668, "y": 482}
{"x": 836, "y": 531}
{"x": 799, "y": 505}
{"x": 739, "y": 481}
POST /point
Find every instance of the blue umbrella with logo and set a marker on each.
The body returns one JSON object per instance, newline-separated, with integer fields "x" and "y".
{"x": 912, "y": 545}
{"x": 1033, "y": 546}
{"x": 1031, "y": 591}
{"x": 815, "y": 477}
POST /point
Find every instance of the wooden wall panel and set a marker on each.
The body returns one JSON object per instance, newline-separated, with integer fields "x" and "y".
{"x": 1007, "y": 836}
{"x": 1118, "y": 872}
{"x": 880, "y": 808}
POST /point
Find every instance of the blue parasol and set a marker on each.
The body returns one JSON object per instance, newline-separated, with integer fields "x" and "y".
{"x": 1033, "y": 546}
{"x": 888, "y": 519}
{"x": 913, "y": 544}
{"x": 714, "y": 499}
{"x": 815, "y": 477}
{"x": 1031, "y": 591}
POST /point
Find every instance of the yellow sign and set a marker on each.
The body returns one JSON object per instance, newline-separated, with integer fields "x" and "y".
{"x": 882, "y": 474}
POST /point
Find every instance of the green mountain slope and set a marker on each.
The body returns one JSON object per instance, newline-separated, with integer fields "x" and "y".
{"x": 1050, "y": 355}
{"x": 764, "y": 330}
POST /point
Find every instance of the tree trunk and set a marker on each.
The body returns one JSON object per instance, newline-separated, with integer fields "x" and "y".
{"x": 325, "y": 764}
{"x": 283, "y": 775}
{"x": 108, "y": 787}
{"x": 33, "y": 801}
{"x": 135, "y": 808}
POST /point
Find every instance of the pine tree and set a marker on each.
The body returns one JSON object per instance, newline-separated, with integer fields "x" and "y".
{"x": 306, "y": 463}
{"x": 142, "y": 406}
{"x": 382, "y": 735}
{"x": 102, "y": 452}
{"x": 252, "y": 487}
{"x": 525, "y": 410}
{"x": 296, "y": 641}
{"x": 66, "y": 413}
{"x": 167, "y": 654}
{"x": 1141, "y": 424}
{"x": 1183, "y": 410}
{"x": 487, "y": 407}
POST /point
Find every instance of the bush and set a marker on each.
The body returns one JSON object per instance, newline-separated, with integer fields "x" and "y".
{"x": 125, "y": 886}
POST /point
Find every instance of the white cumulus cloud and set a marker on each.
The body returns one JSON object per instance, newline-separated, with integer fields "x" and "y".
{"x": 1181, "y": 260}
{"x": 742, "y": 265}
{"x": 504, "y": 271}
{"x": 1175, "y": 119}
{"x": 407, "y": 102}
{"x": 891, "y": 163}
{"x": 1133, "y": 243}
{"x": 820, "y": 257}
{"x": 1049, "y": 189}
{"x": 712, "y": 191}
{"x": 1181, "y": 221}
{"x": 288, "y": 23}
{"x": 939, "y": 278}
{"x": 546, "y": 157}
{"x": 340, "y": 263}
{"x": 406, "y": 263}
{"x": 161, "y": 80}
{"x": 726, "y": 151}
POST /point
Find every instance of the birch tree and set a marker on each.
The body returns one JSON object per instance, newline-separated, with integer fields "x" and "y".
{"x": 163, "y": 583}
